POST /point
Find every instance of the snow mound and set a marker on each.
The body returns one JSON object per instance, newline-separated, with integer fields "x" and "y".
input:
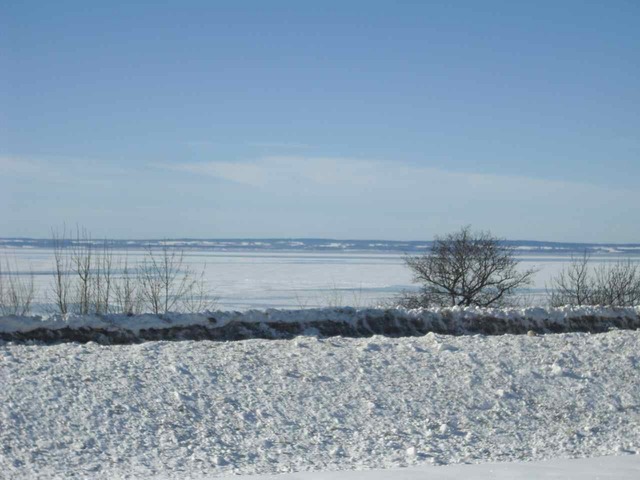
{"x": 197, "y": 409}
{"x": 350, "y": 322}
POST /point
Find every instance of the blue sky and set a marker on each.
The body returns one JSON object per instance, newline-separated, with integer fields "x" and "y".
{"x": 394, "y": 120}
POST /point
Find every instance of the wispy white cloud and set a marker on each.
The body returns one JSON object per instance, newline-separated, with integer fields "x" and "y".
{"x": 20, "y": 166}
{"x": 349, "y": 172}
{"x": 35, "y": 169}
{"x": 262, "y": 145}
{"x": 318, "y": 196}
{"x": 384, "y": 197}
{"x": 278, "y": 170}
{"x": 60, "y": 169}
{"x": 246, "y": 173}
{"x": 200, "y": 143}
{"x": 280, "y": 145}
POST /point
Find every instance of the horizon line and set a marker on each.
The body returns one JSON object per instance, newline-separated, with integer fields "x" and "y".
{"x": 202, "y": 239}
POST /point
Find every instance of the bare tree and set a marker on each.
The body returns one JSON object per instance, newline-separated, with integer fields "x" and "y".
{"x": 618, "y": 283}
{"x": 615, "y": 284}
{"x": 16, "y": 291}
{"x": 573, "y": 284}
{"x": 126, "y": 291}
{"x": 83, "y": 274}
{"x": 198, "y": 297}
{"x": 466, "y": 268}
{"x": 167, "y": 284}
{"x": 102, "y": 290}
{"x": 82, "y": 258}
{"x": 88, "y": 280}
{"x": 61, "y": 286}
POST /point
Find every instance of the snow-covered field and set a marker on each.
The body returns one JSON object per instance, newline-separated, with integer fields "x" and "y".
{"x": 192, "y": 409}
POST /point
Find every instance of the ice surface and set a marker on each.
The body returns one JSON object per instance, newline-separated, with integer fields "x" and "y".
{"x": 269, "y": 277}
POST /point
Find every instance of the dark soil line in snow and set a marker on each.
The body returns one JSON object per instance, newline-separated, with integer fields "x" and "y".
{"x": 387, "y": 325}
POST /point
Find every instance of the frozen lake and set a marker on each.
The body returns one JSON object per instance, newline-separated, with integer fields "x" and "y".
{"x": 246, "y": 279}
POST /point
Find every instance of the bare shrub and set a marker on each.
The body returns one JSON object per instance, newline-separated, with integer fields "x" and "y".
{"x": 616, "y": 284}
{"x": 198, "y": 296}
{"x": 16, "y": 291}
{"x": 93, "y": 274}
{"x": 168, "y": 285}
{"x": 61, "y": 285}
{"x": 84, "y": 276}
{"x": 126, "y": 291}
{"x": 333, "y": 297}
{"x": 81, "y": 258}
{"x": 301, "y": 301}
{"x": 103, "y": 280}
{"x": 337, "y": 296}
{"x": 408, "y": 299}
{"x": 466, "y": 269}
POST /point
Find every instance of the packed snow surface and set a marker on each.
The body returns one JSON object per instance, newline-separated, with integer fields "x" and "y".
{"x": 199, "y": 408}
{"x": 621, "y": 467}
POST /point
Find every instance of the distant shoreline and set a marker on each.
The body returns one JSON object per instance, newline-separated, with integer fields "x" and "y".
{"x": 328, "y": 245}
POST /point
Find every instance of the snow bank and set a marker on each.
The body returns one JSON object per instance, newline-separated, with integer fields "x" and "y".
{"x": 202, "y": 409}
{"x": 326, "y": 322}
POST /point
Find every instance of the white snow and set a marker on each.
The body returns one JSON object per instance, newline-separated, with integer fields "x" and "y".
{"x": 207, "y": 409}
{"x": 601, "y": 468}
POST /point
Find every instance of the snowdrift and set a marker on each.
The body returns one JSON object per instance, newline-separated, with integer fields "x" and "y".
{"x": 202, "y": 409}
{"x": 324, "y": 322}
